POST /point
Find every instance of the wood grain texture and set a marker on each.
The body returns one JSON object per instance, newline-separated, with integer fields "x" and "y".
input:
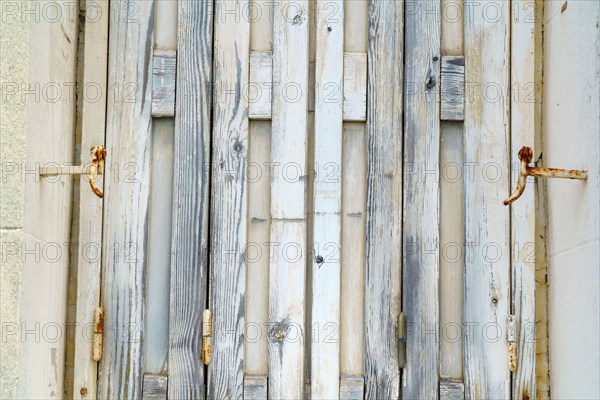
{"x": 260, "y": 85}
{"x": 352, "y": 387}
{"x": 487, "y": 284}
{"x": 288, "y": 250}
{"x": 384, "y": 198}
{"x": 450, "y": 390}
{"x": 420, "y": 238}
{"x": 163, "y": 83}
{"x": 452, "y": 99}
{"x": 229, "y": 194}
{"x": 126, "y": 196}
{"x": 189, "y": 253}
{"x": 255, "y": 387}
{"x": 355, "y": 87}
{"x": 155, "y": 387}
{"x": 525, "y": 126}
{"x": 85, "y": 369}
{"x": 327, "y": 201}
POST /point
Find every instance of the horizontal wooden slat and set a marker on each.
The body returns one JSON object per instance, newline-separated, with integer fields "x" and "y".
{"x": 452, "y": 107}
{"x": 163, "y": 83}
{"x": 155, "y": 387}
{"x": 355, "y": 86}
{"x": 352, "y": 387}
{"x": 255, "y": 387}
{"x": 450, "y": 390}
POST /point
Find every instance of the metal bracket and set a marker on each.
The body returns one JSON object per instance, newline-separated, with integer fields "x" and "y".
{"x": 526, "y": 156}
{"x": 95, "y": 168}
{"x": 206, "y": 336}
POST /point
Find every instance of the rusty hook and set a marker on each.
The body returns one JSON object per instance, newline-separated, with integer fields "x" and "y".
{"x": 526, "y": 156}
{"x": 97, "y": 168}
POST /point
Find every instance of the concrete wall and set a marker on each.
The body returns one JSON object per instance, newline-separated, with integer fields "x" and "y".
{"x": 14, "y": 69}
{"x": 571, "y": 134}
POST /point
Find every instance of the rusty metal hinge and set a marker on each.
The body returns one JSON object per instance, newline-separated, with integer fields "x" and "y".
{"x": 401, "y": 341}
{"x": 206, "y": 336}
{"x": 98, "y": 331}
{"x": 511, "y": 338}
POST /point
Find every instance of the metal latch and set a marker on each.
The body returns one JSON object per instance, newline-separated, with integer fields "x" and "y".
{"x": 206, "y": 336}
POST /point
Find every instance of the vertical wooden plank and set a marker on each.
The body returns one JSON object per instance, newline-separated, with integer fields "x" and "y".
{"x": 420, "y": 238}
{"x": 189, "y": 252}
{"x": 228, "y": 199}
{"x": 486, "y": 138}
{"x": 352, "y": 349}
{"x": 90, "y": 210}
{"x": 525, "y": 126}
{"x": 288, "y": 201}
{"x": 46, "y": 216}
{"x": 384, "y": 198}
{"x": 127, "y": 190}
{"x": 327, "y": 203}
{"x": 452, "y": 221}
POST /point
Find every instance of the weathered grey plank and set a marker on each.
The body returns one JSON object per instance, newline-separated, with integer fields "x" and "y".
{"x": 155, "y": 387}
{"x": 229, "y": 195}
{"x": 487, "y": 284}
{"x": 288, "y": 251}
{"x": 452, "y": 99}
{"x": 93, "y": 123}
{"x": 127, "y": 191}
{"x": 255, "y": 387}
{"x": 450, "y": 390}
{"x": 525, "y": 128}
{"x": 190, "y": 199}
{"x": 420, "y": 275}
{"x": 163, "y": 83}
{"x": 260, "y": 85}
{"x": 384, "y": 198}
{"x": 352, "y": 387}
{"x": 355, "y": 86}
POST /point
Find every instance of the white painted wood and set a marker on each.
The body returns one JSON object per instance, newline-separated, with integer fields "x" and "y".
{"x": 352, "y": 356}
{"x": 260, "y": 84}
{"x": 47, "y": 217}
{"x": 452, "y": 93}
{"x": 259, "y": 221}
{"x": 452, "y": 255}
{"x": 165, "y": 25}
{"x": 260, "y": 87}
{"x": 352, "y": 387}
{"x": 229, "y": 194}
{"x": 127, "y": 192}
{"x": 452, "y": 27}
{"x": 255, "y": 387}
{"x": 288, "y": 250}
{"x": 352, "y": 349}
{"x": 421, "y": 218}
{"x": 486, "y": 139}
{"x": 525, "y": 125}
{"x": 189, "y": 251}
{"x": 571, "y": 103}
{"x": 163, "y": 83}
{"x": 384, "y": 198}
{"x": 355, "y": 86}
{"x": 90, "y": 207}
{"x": 327, "y": 202}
